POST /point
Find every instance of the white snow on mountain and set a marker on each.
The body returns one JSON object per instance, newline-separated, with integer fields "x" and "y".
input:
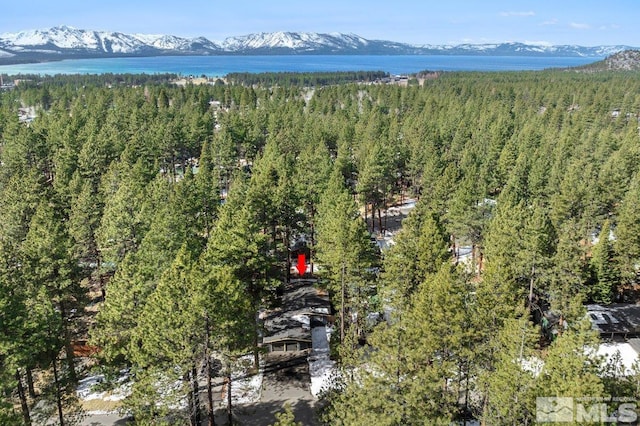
{"x": 101, "y": 41}
{"x": 71, "y": 38}
{"x": 65, "y": 39}
{"x": 169, "y": 42}
{"x": 291, "y": 40}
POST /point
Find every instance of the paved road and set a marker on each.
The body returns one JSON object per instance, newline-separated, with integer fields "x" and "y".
{"x": 285, "y": 381}
{"x": 104, "y": 420}
{"x": 276, "y": 392}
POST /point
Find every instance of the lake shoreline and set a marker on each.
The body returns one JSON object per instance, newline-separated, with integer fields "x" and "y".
{"x": 221, "y": 65}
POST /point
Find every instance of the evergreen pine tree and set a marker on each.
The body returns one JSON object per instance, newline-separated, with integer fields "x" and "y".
{"x": 627, "y": 245}
{"x": 420, "y": 249}
{"x": 603, "y": 267}
{"x": 344, "y": 251}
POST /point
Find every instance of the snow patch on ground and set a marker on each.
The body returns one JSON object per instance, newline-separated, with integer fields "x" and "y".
{"x": 533, "y": 365}
{"x": 171, "y": 395}
{"x": 617, "y": 350}
{"x": 86, "y": 388}
{"x": 402, "y": 209}
{"x": 100, "y": 413}
{"x": 620, "y": 354}
{"x": 245, "y": 388}
{"x": 384, "y": 239}
{"x": 321, "y": 368}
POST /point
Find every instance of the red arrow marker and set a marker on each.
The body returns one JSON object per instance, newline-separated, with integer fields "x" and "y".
{"x": 302, "y": 266}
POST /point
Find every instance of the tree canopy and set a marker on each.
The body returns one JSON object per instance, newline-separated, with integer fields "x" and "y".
{"x": 174, "y": 212}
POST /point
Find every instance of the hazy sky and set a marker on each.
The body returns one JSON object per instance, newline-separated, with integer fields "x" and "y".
{"x": 585, "y": 22}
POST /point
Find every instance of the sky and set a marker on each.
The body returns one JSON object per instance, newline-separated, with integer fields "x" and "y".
{"x": 554, "y": 22}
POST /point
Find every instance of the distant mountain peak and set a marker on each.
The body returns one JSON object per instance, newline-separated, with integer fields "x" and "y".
{"x": 625, "y": 60}
{"x": 67, "y": 41}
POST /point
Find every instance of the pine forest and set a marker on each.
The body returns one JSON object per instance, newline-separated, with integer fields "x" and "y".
{"x": 146, "y": 228}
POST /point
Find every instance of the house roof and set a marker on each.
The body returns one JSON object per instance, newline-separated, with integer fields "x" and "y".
{"x": 291, "y": 321}
{"x": 617, "y": 318}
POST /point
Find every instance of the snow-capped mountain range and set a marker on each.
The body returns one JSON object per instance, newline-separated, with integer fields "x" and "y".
{"x": 67, "y": 42}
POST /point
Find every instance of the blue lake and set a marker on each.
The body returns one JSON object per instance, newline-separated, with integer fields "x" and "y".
{"x": 222, "y": 65}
